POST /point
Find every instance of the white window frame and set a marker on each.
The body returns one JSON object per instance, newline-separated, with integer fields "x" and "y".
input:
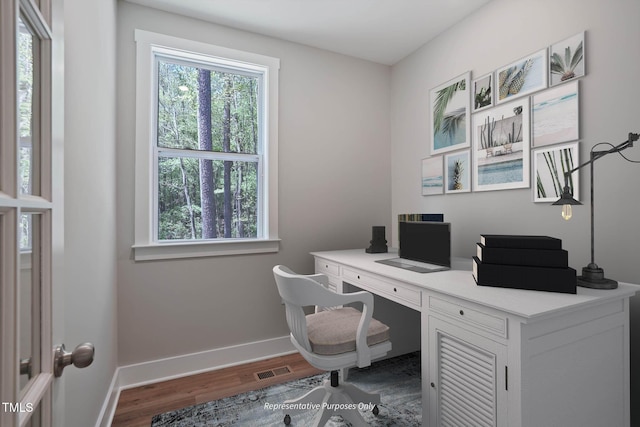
{"x": 146, "y": 245}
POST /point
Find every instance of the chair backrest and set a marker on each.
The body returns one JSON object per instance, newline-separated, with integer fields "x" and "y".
{"x": 297, "y": 292}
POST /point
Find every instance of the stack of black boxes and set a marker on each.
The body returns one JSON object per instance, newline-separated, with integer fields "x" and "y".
{"x": 523, "y": 262}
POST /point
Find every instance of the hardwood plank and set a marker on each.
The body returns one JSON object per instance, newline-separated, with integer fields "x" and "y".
{"x": 137, "y": 406}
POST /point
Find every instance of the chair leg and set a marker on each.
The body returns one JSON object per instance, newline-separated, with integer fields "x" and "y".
{"x": 324, "y": 414}
{"x": 313, "y": 396}
{"x": 344, "y": 395}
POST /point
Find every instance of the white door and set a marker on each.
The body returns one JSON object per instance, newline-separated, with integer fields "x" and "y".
{"x": 29, "y": 196}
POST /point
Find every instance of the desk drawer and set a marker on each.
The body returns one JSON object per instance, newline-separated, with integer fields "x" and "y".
{"x": 400, "y": 293}
{"x": 486, "y": 321}
{"x": 332, "y": 271}
{"x": 327, "y": 267}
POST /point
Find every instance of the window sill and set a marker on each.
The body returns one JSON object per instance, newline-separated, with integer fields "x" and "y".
{"x": 177, "y": 250}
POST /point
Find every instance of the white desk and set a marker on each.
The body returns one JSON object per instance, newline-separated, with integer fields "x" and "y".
{"x": 505, "y": 357}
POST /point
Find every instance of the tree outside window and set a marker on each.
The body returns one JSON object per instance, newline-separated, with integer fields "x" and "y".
{"x": 208, "y": 154}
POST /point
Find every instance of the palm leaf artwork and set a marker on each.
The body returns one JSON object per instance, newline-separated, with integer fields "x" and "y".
{"x": 566, "y": 66}
{"x": 451, "y": 121}
{"x": 443, "y": 97}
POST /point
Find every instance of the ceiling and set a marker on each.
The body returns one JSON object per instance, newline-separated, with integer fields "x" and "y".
{"x": 383, "y": 31}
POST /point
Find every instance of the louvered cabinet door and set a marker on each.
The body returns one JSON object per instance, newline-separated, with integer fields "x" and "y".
{"x": 468, "y": 378}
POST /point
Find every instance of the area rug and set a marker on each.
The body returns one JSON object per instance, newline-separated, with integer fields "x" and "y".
{"x": 396, "y": 379}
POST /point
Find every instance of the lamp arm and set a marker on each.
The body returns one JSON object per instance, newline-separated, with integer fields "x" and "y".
{"x": 595, "y": 155}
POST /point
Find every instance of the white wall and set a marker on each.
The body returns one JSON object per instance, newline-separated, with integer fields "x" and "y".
{"x": 334, "y": 178}
{"x": 89, "y": 196}
{"x": 496, "y": 35}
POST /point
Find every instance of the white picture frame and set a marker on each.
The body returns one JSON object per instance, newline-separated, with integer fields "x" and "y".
{"x": 450, "y": 118}
{"x": 522, "y": 77}
{"x": 483, "y": 92}
{"x": 457, "y": 172}
{"x": 501, "y": 147}
{"x": 567, "y": 60}
{"x": 555, "y": 115}
{"x": 549, "y": 165}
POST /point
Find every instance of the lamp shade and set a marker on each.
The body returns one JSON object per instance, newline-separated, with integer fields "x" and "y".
{"x": 566, "y": 198}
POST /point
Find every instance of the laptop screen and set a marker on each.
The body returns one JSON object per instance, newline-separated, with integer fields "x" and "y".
{"x": 426, "y": 241}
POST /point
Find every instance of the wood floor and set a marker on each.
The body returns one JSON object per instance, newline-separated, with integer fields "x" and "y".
{"x": 137, "y": 406}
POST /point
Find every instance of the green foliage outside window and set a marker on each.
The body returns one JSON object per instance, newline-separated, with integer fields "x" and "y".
{"x": 203, "y": 114}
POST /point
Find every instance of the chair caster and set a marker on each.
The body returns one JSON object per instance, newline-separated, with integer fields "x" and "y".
{"x": 287, "y": 420}
{"x": 375, "y": 410}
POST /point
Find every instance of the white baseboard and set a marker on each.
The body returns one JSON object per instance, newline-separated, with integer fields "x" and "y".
{"x": 154, "y": 371}
{"x": 111, "y": 402}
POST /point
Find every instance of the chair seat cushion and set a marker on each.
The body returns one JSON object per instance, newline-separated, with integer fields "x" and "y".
{"x": 334, "y": 331}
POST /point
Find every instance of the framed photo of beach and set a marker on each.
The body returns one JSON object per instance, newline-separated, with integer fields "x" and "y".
{"x": 555, "y": 115}
{"x": 482, "y": 92}
{"x": 566, "y": 60}
{"x": 457, "y": 178}
{"x": 525, "y": 76}
{"x": 501, "y": 147}
{"x": 549, "y": 166}
{"x": 432, "y": 176}
{"x": 449, "y": 115}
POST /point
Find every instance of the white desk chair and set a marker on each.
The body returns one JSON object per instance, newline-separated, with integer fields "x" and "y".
{"x": 331, "y": 340}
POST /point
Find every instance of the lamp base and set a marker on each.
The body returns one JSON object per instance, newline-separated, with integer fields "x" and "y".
{"x": 593, "y": 277}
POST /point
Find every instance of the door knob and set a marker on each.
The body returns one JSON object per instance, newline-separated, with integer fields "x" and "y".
{"x": 81, "y": 357}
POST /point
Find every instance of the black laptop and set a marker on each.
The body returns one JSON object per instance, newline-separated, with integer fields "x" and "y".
{"x": 425, "y": 247}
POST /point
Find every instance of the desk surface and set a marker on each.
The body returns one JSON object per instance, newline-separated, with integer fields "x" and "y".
{"x": 459, "y": 283}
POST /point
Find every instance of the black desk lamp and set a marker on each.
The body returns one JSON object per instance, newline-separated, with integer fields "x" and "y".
{"x": 592, "y": 275}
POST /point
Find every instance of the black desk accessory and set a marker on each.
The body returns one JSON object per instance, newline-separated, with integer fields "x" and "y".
{"x": 378, "y": 241}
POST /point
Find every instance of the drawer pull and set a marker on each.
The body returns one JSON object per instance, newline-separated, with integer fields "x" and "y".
{"x": 358, "y": 276}
{"x": 433, "y": 385}
{"x": 395, "y": 289}
{"x": 461, "y": 313}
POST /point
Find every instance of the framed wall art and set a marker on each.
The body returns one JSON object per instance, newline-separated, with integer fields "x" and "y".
{"x": 457, "y": 169}
{"x": 549, "y": 167}
{"x": 566, "y": 60}
{"x": 482, "y": 92}
{"x": 450, "y": 119}
{"x": 555, "y": 115}
{"x": 501, "y": 145}
{"x": 432, "y": 176}
{"x": 522, "y": 77}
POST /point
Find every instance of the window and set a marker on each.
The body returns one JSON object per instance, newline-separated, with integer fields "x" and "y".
{"x": 206, "y": 150}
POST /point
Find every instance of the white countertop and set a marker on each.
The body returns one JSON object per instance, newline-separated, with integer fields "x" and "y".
{"x": 459, "y": 283}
